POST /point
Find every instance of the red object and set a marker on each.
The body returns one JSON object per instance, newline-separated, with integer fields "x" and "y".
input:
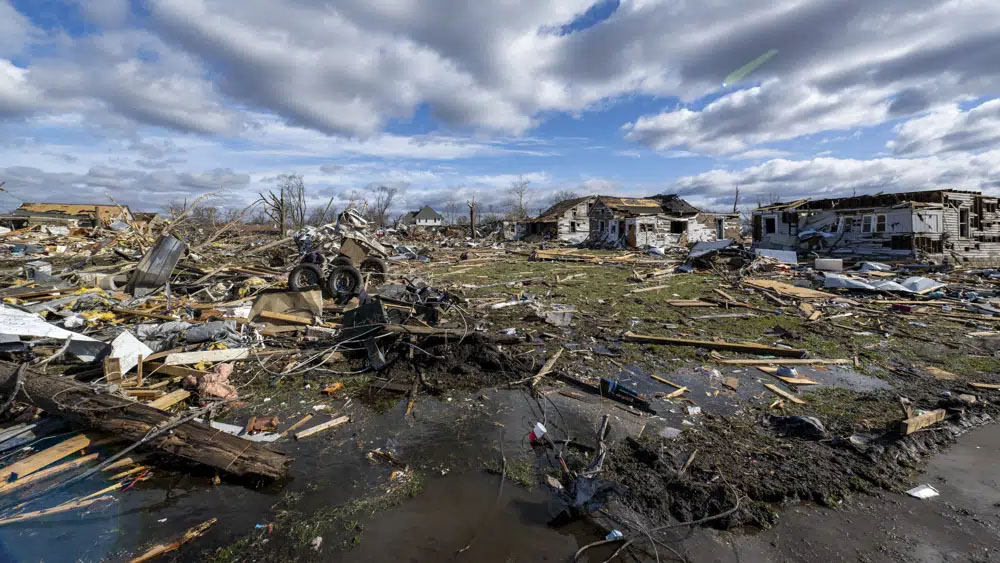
{"x": 900, "y": 308}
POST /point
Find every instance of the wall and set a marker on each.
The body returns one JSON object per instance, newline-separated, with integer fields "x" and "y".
{"x": 429, "y": 222}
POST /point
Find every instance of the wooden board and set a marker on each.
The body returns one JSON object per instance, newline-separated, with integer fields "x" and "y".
{"x": 789, "y": 290}
{"x": 785, "y": 394}
{"x": 668, "y": 382}
{"x": 187, "y": 358}
{"x": 333, "y": 423}
{"x": 747, "y": 347}
{"x": 914, "y": 423}
{"x": 793, "y": 361}
{"x": 285, "y": 318}
{"x": 51, "y": 455}
{"x": 992, "y": 386}
{"x": 169, "y": 400}
{"x": 941, "y": 374}
{"x": 689, "y": 303}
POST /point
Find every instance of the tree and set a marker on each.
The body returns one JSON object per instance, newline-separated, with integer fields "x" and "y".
{"x": 384, "y": 196}
{"x": 563, "y": 195}
{"x": 286, "y": 207}
{"x": 319, "y": 216}
{"x": 451, "y": 211}
{"x": 518, "y": 191}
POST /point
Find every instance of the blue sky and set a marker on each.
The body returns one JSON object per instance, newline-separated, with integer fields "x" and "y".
{"x": 157, "y": 101}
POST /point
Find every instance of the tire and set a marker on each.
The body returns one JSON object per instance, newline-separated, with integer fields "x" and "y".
{"x": 305, "y": 277}
{"x": 342, "y": 261}
{"x": 376, "y": 269}
{"x": 344, "y": 280}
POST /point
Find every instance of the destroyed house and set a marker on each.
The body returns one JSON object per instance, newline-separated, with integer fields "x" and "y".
{"x": 660, "y": 220}
{"x": 567, "y": 220}
{"x": 65, "y": 214}
{"x": 960, "y": 225}
{"x": 426, "y": 217}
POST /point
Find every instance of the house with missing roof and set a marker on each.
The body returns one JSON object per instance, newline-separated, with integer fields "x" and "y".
{"x": 426, "y": 217}
{"x": 660, "y": 220}
{"x": 936, "y": 224}
{"x": 567, "y": 221}
{"x": 66, "y": 214}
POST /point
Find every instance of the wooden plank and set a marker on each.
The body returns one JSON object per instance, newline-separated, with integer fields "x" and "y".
{"x": 51, "y": 455}
{"x": 112, "y": 370}
{"x": 786, "y": 379}
{"x": 789, "y": 290}
{"x": 177, "y": 371}
{"x": 645, "y": 289}
{"x": 170, "y": 399}
{"x": 748, "y": 348}
{"x": 992, "y": 386}
{"x": 914, "y": 423}
{"x": 321, "y": 427}
{"x": 668, "y": 382}
{"x": 48, "y": 472}
{"x": 159, "y": 549}
{"x": 785, "y": 394}
{"x": 725, "y": 295}
{"x": 144, "y": 393}
{"x": 187, "y": 358}
{"x": 793, "y": 361}
{"x": 285, "y": 318}
{"x": 689, "y": 303}
{"x": 297, "y": 425}
{"x": 65, "y": 507}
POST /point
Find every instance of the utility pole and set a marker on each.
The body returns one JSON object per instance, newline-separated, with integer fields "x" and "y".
{"x": 472, "y": 218}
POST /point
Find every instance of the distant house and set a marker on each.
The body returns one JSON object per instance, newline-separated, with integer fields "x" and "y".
{"x": 659, "y": 220}
{"x": 426, "y": 217}
{"x": 567, "y": 221}
{"x": 963, "y": 225}
{"x": 66, "y": 214}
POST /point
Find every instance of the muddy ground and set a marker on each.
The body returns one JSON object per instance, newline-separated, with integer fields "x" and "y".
{"x": 449, "y": 501}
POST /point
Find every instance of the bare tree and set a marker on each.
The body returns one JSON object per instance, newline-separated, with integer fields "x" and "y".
{"x": 319, "y": 216}
{"x": 563, "y": 195}
{"x": 287, "y": 206}
{"x": 384, "y": 196}
{"x": 451, "y": 211}
{"x": 736, "y": 198}
{"x": 518, "y": 191}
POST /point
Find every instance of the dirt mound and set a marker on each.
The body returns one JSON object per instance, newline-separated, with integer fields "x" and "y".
{"x": 768, "y": 470}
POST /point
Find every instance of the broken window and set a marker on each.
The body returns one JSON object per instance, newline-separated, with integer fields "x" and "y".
{"x": 867, "y": 222}
{"x": 846, "y": 224}
{"x": 572, "y": 225}
{"x": 770, "y": 225}
{"x": 645, "y": 228}
{"x": 600, "y": 225}
{"x": 880, "y": 223}
{"x": 678, "y": 227}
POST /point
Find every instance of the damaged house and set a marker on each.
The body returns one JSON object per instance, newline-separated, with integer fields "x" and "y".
{"x": 937, "y": 224}
{"x": 426, "y": 217}
{"x": 66, "y": 215}
{"x": 568, "y": 221}
{"x": 661, "y": 220}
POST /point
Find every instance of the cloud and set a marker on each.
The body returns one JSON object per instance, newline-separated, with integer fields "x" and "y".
{"x": 949, "y": 129}
{"x": 757, "y": 154}
{"x": 833, "y": 177}
{"x": 629, "y": 154}
{"x": 105, "y": 13}
{"x": 15, "y": 30}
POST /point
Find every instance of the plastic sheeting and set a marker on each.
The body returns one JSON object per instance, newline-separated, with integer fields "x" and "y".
{"x": 15, "y": 322}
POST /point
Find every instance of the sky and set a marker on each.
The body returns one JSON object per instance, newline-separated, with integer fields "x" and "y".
{"x": 153, "y": 102}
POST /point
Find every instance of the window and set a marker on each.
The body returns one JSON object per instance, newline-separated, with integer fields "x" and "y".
{"x": 846, "y": 224}
{"x": 572, "y": 225}
{"x": 867, "y": 222}
{"x": 678, "y": 227}
{"x": 880, "y": 223}
{"x": 600, "y": 225}
{"x": 645, "y": 228}
{"x": 770, "y": 225}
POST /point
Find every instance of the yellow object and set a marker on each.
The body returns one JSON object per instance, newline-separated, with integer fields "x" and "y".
{"x": 94, "y": 316}
{"x": 218, "y": 346}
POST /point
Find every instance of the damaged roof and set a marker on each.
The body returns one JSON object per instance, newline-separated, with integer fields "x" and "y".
{"x": 555, "y": 212}
{"x": 871, "y": 200}
{"x": 669, "y": 204}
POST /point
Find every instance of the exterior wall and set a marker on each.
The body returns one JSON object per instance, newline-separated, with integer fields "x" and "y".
{"x": 573, "y": 229}
{"x": 429, "y": 222}
{"x": 965, "y": 227}
{"x": 604, "y": 225}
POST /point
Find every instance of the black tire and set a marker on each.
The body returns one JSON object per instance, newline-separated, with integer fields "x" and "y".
{"x": 305, "y": 277}
{"x": 342, "y": 261}
{"x": 344, "y": 280}
{"x": 376, "y": 269}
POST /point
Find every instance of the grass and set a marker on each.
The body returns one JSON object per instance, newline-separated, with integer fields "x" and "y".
{"x": 848, "y": 410}
{"x": 520, "y": 471}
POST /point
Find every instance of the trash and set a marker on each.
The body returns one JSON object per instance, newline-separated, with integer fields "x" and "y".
{"x": 537, "y": 432}
{"x": 128, "y": 350}
{"x": 154, "y": 270}
{"x": 923, "y": 492}
{"x": 669, "y": 432}
{"x": 693, "y": 411}
{"x": 614, "y": 535}
{"x": 801, "y": 426}
{"x": 787, "y": 371}
{"x": 829, "y": 264}
{"x": 216, "y": 384}
{"x": 14, "y": 322}
{"x": 316, "y": 543}
{"x": 874, "y": 267}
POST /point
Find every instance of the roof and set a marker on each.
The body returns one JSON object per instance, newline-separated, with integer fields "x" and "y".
{"x": 669, "y": 204}
{"x": 870, "y": 200}
{"x": 555, "y": 212}
{"x": 427, "y": 214}
{"x": 673, "y": 204}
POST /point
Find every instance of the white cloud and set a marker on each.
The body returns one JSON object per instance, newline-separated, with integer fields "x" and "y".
{"x": 629, "y": 154}
{"x": 757, "y": 154}
{"x": 833, "y": 177}
{"x": 949, "y": 129}
{"x": 105, "y": 13}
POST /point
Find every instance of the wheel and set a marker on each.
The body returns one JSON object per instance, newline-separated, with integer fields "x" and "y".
{"x": 344, "y": 280}
{"x": 305, "y": 277}
{"x": 376, "y": 269}
{"x": 342, "y": 261}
